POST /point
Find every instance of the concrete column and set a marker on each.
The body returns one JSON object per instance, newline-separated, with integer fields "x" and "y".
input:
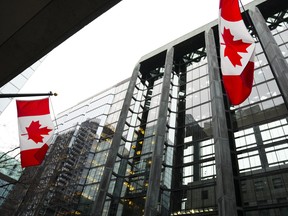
{"x": 118, "y": 187}
{"x": 274, "y": 56}
{"x": 225, "y": 190}
{"x": 157, "y": 157}
{"x": 112, "y": 154}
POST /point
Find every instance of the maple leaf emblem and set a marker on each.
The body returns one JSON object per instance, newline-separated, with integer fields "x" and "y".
{"x": 35, "y": 132}
{"x": 233, "y": 47}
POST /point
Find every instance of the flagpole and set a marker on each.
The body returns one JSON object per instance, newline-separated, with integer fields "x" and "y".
{"x": 248, "y": 19}
{"x": 27, "y": 95}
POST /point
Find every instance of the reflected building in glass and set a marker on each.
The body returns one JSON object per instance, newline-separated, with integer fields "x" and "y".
{"x": 168, "y": 142}
{"x": 66, "y": 181}
{"x": 10, "y": 172}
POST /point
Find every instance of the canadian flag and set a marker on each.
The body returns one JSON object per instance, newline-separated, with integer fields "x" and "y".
{"x": 35, "y": 130}
{"x": 237, "y": 52}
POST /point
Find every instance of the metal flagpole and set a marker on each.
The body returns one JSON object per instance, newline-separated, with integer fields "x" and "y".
{"x": 27, "y": 95}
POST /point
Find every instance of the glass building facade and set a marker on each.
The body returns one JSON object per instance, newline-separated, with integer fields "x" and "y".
{"x": 15, "y": 85}
{"x": 168, "y": 142}
{"x": 10, "y": 172}
{"x": 68, "y": 179}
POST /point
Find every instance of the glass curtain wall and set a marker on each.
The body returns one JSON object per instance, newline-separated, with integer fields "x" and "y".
{"x": 260, "y": 132}
{"x": 70, "y": 176}
{"x": 193, "y": 169}
{"x": 106, "y": 111}
{"x": 17, "y": 83}
{"x": 257, "y": 132}
{"x": 188, "y": 167}
{"x": 128, "y": 187}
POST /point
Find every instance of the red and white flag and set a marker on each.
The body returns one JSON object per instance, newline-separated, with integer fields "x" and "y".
{"x": 35, "y": 130}
{"x": 237, "y": 52}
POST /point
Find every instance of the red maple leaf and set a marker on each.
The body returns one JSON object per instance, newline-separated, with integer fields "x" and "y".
{"x": 35, "y": 132}
{"x": 233, "y": 47}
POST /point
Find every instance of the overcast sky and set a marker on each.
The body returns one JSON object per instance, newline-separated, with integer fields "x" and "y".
{"x": 105, "y": 52}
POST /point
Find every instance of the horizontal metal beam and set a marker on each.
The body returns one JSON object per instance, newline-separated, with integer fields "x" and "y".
{"x": 27, "y": 95}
